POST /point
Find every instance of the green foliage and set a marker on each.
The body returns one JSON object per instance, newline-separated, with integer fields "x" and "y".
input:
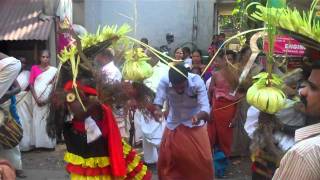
{"x": 241, "y": 21}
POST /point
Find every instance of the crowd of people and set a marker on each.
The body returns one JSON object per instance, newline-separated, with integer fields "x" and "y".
{"x": 28, "y": 100}
{"x": 198, "y": 121}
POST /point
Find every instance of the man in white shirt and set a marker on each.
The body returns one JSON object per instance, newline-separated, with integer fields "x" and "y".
{"x": 111, "y": 74}
{"x": 185, "y": 151}
{"x": 109, "y": 70}
{"x": 187, "y": 57}
{"x": 151, "y": 130}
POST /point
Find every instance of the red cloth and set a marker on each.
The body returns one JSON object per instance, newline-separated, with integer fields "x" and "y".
{"x": 86, "y": 89}
{"x": 78, "y": 125}
{"x": 111, "y": 131}
{"x": 219, "y": 132}
{"x": 85, "y": 171}
{"x": 185, "y": 154}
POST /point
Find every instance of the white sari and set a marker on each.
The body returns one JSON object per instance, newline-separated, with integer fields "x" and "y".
{"x": 42, "y": 86}
{"x": 24, "y": 109}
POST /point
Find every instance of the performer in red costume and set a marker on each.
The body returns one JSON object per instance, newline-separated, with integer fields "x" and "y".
{"x": 94, "y": 146}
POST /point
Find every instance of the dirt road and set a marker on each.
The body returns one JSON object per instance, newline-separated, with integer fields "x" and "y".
{"x": 49, "y": 165}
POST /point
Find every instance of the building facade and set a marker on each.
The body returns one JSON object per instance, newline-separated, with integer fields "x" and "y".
{"x": 190, "y": 21}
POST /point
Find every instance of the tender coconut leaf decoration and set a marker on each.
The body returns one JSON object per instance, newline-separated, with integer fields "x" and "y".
{"x": 263, "y": 78}
{"x": 89, "y": 40}
{"x": 90, "y": 44}
{"x": 290, "y": 19}
{"x": 136, "y": 67}
{"x": 266, "y": 94}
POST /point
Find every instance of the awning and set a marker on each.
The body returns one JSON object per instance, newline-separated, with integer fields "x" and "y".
{"x": 20, "y": 20}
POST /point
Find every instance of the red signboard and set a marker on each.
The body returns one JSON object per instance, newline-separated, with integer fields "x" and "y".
{"x": 285, "y": 45}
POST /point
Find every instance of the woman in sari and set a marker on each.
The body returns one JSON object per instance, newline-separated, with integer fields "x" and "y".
{"x": 224, "y": 106}
{"x": 24, "y": 105}
{"x": 41, "y": 85}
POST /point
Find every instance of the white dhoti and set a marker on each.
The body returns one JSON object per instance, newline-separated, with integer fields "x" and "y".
{"x": 122, "y": 123}
{"x": 13, "y": 155}
{"x": 152, "y": 132}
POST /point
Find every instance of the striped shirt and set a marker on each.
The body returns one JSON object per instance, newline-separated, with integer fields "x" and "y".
{"x": 302, "y": 161}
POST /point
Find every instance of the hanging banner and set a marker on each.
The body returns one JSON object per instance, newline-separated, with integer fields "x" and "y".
{"x": 285, "y": 45}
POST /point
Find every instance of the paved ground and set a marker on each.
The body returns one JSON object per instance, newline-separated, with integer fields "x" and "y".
{"x": 49, "y": 165}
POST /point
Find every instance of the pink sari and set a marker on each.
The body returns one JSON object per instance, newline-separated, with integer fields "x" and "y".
{"x": 42, "y": 83}
{"x": 35, "y": 72}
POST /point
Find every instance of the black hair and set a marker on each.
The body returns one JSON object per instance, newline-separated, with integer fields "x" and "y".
{"x": 222, "y": 34}
{"x": 45, "y": 50}
{"x": 186, "y": 50}
{"x": 197, "y": 50}
{"x": 316, "y": 64}
{"x": 314, "y": 56}
{"x": 106, "y": 52}
{"x": 244, "y": 50}
{"x": 144, "y": 40}
{"x": 232, "y": 53}
{"x": 200, "y": 53}
{"x": 176, "y": 77}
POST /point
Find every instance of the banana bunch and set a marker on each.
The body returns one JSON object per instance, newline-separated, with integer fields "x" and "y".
{"x": 290, "y": 19}
{"x": 265, "y": 94}
{"x": 136, "y": 67}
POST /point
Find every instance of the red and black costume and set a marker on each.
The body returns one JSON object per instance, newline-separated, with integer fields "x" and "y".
{"x": 107, "y": 157}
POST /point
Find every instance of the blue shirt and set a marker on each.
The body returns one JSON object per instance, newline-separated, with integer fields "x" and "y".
{"x": 183, "y": 107}
{"x": 13, "y": 109}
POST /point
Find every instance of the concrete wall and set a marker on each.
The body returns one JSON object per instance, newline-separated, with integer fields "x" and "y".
{"x": 154, "y": 18}
{"x": 50, "y": 7}
{"x": 78, "y": 12}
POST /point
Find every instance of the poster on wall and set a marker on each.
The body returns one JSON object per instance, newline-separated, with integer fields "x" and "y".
{"x": 285, "y": 45}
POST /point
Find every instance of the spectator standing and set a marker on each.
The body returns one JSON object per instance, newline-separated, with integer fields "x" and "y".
{"x": 111, "y": 74}
{"x": 212, "y": 49}
{"x": 24, "y": 104}
{"x": 197, "y": 65}
{"x": 41, "y": 82}
{"x": 187, "y": 57}
{"x": 178, "y": 54}
{"x": 223, "y": 83}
